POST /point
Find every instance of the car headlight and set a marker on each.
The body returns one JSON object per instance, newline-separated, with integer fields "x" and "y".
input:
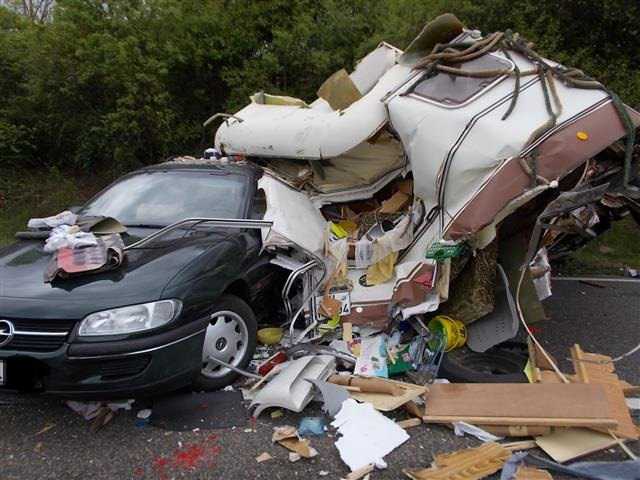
{"x": 134, "y": 318}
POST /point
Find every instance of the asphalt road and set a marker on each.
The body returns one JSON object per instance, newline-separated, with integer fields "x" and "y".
{"x": 601, "y": 316}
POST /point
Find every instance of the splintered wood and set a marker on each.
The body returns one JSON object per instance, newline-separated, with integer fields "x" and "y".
{"x": 468, "y": 464}
{"x": 529, "y": 473}
{"x": 536, "y": 404}
{"x": 595, "y": 369}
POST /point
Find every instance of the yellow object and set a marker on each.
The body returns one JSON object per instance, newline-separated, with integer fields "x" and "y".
{"x": 455, "y": 332}
{"x": 582, "y": 136}
{"x": 331, "y": 324}
{"x": 382, "y": 271}
{"x": 348, "y": 226}
{"x": 528, "y": 371}
{"x": 270, "y": 336}
{"x": 337, "y": 230}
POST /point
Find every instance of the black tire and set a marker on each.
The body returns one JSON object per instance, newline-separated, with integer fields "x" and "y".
{"x": 503, "y": 363}
{"x": 238, "y": 306}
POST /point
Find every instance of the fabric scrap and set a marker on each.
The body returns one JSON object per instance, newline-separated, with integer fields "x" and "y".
{"x": 627, "y": 470}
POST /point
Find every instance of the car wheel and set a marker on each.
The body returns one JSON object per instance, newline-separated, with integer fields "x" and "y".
{"x": 503, "y": 363}
{"x": 230, "y": 337}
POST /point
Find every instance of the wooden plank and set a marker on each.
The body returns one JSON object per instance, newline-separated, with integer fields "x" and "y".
{"x": 516, "y": 430}
{"x": 534, "y": 422}
{"x": 414, "y": 409}
{"x": 537, "y": 357}
{"x": 630, "y": 390}
{"x": 409, "y": 423}
{"x": 518, "y": 400}
{"x": 595, "y": 369}
{"x": 384, "y": 401}
{"x": 549, "y": 376}
{"x": 566, "y": 444}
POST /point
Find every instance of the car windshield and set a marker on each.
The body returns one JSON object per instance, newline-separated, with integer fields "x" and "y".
{"x": 160, "y": 198}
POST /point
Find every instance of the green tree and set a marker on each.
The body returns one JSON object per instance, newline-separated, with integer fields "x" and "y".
{"x": 113, "y": 85}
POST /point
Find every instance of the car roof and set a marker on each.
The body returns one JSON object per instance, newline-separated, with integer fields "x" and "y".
{"x": 222, "y": 166}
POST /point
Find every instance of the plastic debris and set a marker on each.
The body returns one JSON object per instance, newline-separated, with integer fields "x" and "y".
{"x": 445, "y": 249}
{"x": 372, "y": 360}
{"x": 332, "y": 395}
{"x": 143, "y": 417}
{"x": 289, "y": 388}
{"x": 462, "y": 428}
{"x": 311, "y": 426}
{"x": 62, "y": 218}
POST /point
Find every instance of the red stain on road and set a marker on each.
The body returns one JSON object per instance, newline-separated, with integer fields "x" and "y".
{"x": 190, "y": 457}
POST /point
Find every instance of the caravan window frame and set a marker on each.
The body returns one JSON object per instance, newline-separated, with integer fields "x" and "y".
{"x": 466, "y": 101}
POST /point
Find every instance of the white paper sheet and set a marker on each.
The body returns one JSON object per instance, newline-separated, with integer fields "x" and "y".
{"x": 366, "y": 435}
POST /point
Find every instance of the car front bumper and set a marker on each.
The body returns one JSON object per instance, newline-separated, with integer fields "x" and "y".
{"x": 110, "y": 370}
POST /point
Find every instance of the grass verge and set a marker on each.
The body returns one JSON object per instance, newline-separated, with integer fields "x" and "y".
{"x": 28, "y": 194}
{"x": 608, "y": 254}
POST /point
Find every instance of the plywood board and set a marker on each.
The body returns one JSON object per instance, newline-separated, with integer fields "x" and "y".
{"x": 523, "y": 400}
{"x": 565, "y": 444}
{"x": 595, "y": 369}
{"x": 567, "y": 405}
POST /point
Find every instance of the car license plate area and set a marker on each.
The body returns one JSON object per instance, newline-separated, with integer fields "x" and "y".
{"x": 3, "y": 372}
{"x": 343, "y": 297}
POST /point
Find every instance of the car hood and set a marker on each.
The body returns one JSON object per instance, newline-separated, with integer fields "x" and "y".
{"x": 141, "y": 278}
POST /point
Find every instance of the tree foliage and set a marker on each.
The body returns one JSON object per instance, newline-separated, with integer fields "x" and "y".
{"x": 112, "y": 85}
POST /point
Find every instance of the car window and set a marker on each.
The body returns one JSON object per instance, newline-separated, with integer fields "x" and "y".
{"x": 160, "y": 198}
{"x": 456, "y": 89}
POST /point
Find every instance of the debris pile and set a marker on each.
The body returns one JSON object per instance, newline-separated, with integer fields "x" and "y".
{"x": 565, "y": 415}
{"x": 79, "y": 244}
{"x": 416, "y": 206}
